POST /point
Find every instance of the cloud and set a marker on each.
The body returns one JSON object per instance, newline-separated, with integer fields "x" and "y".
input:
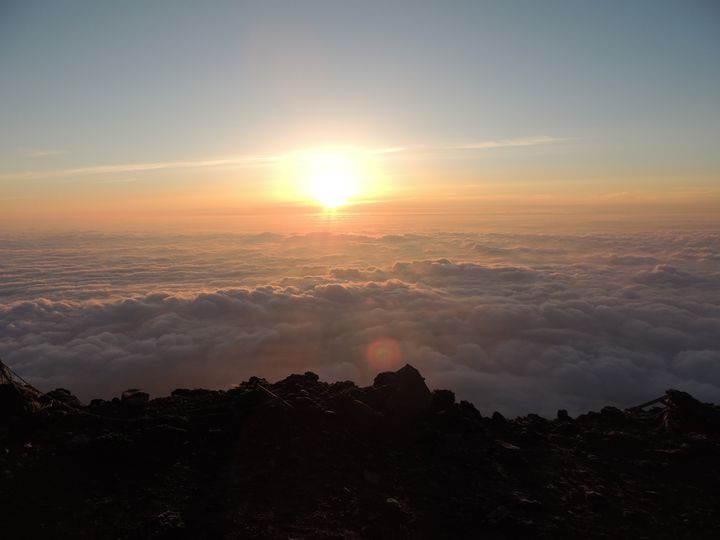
{"x": 142, "y": 167}
{"x": 574, "y": 329}
{"x": 664, "y": 274}
{"x": 252, "y": 160}
{"x": 505, "y": 143}
{"x": 39, "y": 152}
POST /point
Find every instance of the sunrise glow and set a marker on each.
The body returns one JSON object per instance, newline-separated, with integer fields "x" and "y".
{"x": 331, "y": 178}
{"x": 360, "y": 269}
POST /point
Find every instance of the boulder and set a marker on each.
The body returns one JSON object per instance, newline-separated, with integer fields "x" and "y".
{"x": 64, "y": 396}
{"x": 404, "y": 393}
{"x": 314, "y": 377}
{"x": 134, "y": 399}
{"x": 296, "y": 381}
{"x": 386, "y": 378}
{"x": 684, "y": 413}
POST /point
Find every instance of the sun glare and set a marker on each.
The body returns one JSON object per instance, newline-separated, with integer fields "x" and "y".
{"x": 331, "y": 178}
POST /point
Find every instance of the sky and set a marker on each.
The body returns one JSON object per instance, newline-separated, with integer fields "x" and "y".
{"x": 146, "y": 114}
{"x": 519, "y": 198}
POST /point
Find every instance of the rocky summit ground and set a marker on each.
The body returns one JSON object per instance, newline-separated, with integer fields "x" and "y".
{"x": 305, "y": 459}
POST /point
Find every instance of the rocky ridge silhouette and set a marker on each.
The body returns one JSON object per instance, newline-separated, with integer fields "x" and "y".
{"x": 301, "y": 458}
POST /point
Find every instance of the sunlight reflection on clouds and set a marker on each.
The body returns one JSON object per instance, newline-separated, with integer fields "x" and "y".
{"x": 515, "y": 322}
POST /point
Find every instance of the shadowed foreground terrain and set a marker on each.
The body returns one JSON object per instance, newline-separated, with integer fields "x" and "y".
{"x": 301, "y": 458}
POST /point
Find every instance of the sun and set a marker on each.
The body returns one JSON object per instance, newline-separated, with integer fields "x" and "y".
{"x": 332, "y": 177}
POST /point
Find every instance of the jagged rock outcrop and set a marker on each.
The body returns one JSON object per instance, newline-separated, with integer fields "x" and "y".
{"x": 684, "y": 413}
{"x": 304, "y": 458}
{"x": 63, "y": 395}
{"x": 17, "y": 401}
{"x": 402, "y": 393}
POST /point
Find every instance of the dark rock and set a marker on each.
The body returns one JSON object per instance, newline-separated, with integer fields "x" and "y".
{"x": 498, "y": 419}
{"x": 396, "y": 510}
{"x": 110, "y": 446}
{"x": 684, "y": 413}
{"x": 535, "y": 419}
{"x": 386, "y": 378}
{"x": 356, "y": 411}
{"x": 164, "y": 434}
{"x": 469, "y": 410}
{"x": 64, "y": 396}
{"x": 244, "y": 397}
{"x": 16, "y": 400}
{"x": 167, "y": 526}
{"x": 612, "y": 413}
{"x": 303, "y": 403}
{"x": 340, "y": 386}
{"x": 563, "y": 416}
{"x": 134, "y": 399}
{"x": 194, "y": 392}
{"x": 442, "y": 399}
{"x": 302, "y": 458}
{"x": 499, "y": 514}
{"x": 404, "y": 391}
{"x": 371, "y": 477}
{"x": 314, "y": 377}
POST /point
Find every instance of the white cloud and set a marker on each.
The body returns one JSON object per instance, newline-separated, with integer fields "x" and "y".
{"x": 524, "y": 323}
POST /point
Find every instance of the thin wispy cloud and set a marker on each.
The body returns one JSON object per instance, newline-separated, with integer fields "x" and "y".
{"x": 118, "y": 180}
{"x": 260, "y": 159}
{"x": 40, "y": 152}
{"x": 505, "y": 143}
{"x": 140, "y": 167}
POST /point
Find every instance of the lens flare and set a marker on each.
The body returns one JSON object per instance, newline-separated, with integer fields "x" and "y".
{"x": 384, "y": 354}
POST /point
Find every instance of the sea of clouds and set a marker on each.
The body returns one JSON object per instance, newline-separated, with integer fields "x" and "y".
{"x": 512, "y": 322}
